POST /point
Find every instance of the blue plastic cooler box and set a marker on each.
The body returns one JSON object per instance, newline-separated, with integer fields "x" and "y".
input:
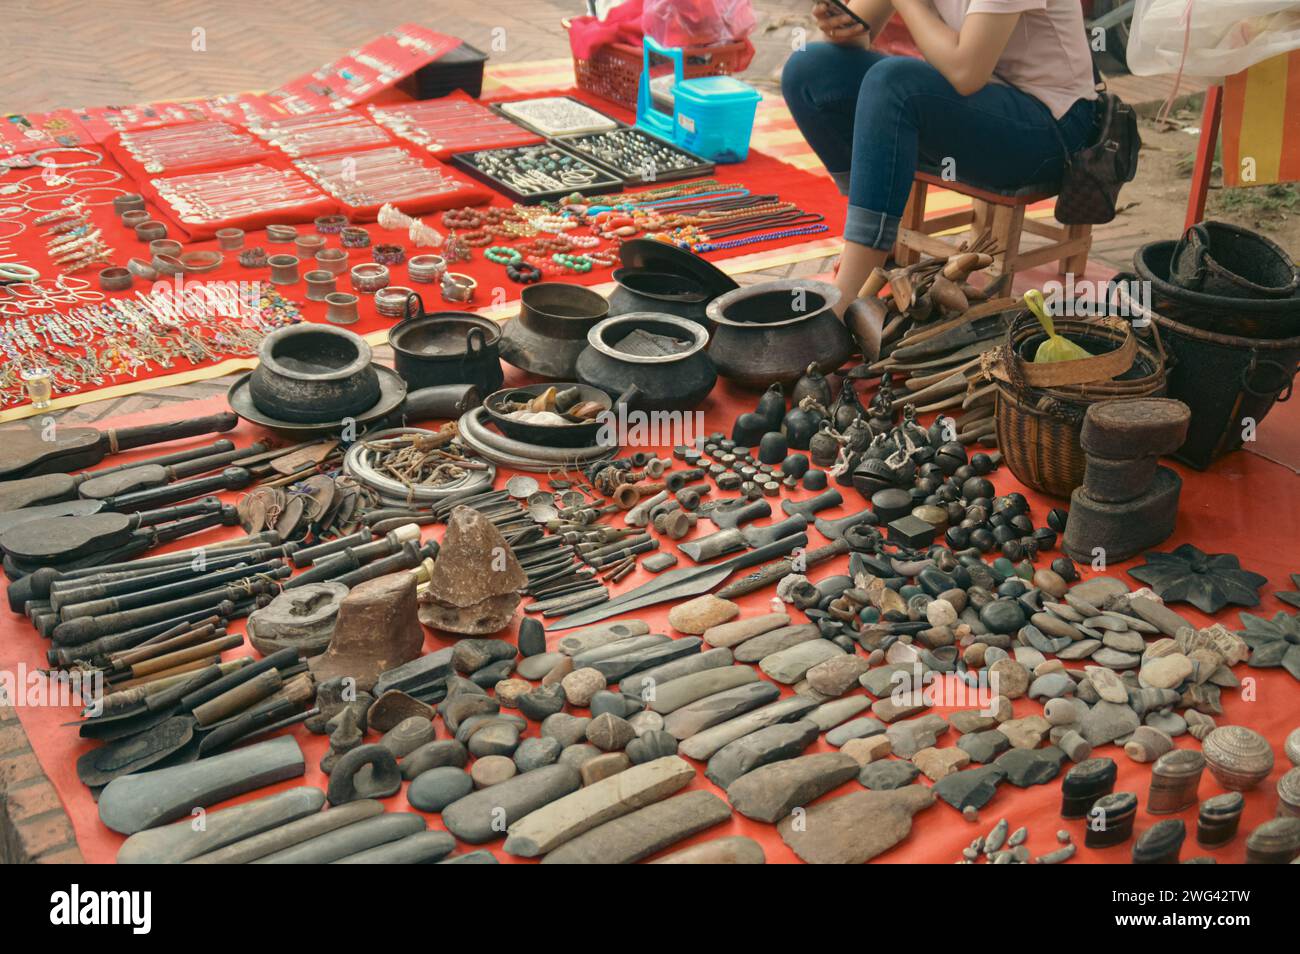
{"x": 713, "y": 116}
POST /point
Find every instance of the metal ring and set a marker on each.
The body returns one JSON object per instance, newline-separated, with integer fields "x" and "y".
{"x": 356, "y": 464}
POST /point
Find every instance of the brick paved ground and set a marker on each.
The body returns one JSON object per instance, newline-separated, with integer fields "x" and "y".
{"x": 57, "y": 53}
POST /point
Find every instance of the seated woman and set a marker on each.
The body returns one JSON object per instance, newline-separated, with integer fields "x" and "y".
{"x": 998, "y": 75}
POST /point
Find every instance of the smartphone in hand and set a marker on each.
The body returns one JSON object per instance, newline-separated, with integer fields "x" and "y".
{"x": 840, "y": 23}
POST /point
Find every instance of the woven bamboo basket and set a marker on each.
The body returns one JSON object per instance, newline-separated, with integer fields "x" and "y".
{"x": 1040, "y": 408}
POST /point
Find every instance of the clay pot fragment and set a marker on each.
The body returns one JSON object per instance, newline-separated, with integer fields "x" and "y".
{"x": 476, "y": 581}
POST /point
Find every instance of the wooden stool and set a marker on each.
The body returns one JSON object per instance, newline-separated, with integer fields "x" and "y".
{"x": 1002, "y": 214}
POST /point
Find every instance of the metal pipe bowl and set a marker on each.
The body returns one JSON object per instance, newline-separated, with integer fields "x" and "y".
{"x": 548, "y": 435}
{"x": 310, "y": 373}
{"x": 551, "y": 328}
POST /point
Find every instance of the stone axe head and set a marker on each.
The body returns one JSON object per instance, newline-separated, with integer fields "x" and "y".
{"x": 834, "y": 529}
{"x": 713, "y": 545}
{"x": 733, "y": 514}
{"x": 806, "y": 508}
{"x": 762, "y": 536}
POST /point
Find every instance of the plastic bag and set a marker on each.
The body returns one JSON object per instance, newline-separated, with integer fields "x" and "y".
{"x": 1055, "y": 348}
{"x": 680, "y": 23}
{"x": 1210, "y": 39}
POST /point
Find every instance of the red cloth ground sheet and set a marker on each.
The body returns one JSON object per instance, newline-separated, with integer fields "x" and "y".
{"x": 1243, "y": 504}
{"x": 760, "y": 173}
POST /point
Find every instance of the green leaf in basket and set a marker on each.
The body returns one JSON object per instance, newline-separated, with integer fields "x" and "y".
{"x": 1055, "y": 348}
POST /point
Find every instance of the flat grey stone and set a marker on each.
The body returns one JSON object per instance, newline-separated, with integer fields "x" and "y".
{"x": 179, "y": 842}
{"x": 830, "y": 714}
{"x": 972, "y": 788}
{"x": 770, "y": 792}
{"x": 534, "y": 668}
{"x": 1051, "y": 685}
{"x": 790, "y": 665}
{"x": 434, "y": 755}
{"x": 752, "y": 650}
{"x": 637, "y": 683}
{"x": 631, "y": 837}
{"x": 1080, "y": 649}
{"x": 536, "y": 752}
{"x": 565, "y": 728}
{"x": 1106, "y": 722}
{"x": 434, "y": 790}
{"x": 888, "y": 774}
{"x": 594, "y": 636}
{"x": 720, "y": 707}
{"x": 910, "y": 736}
{"x": 859, "y": 728}
{"x": 984, "y": 746}
{"x": 132, "y": 803}
{"x": 342, "y": 842}
{"x": 566, "y": 818}
{"x": 703, "y": 745}
{"x": 776, "y": 742}
{"x": 421, "y": 848}
{"x": 883, "y": 680}
{"x": 671, "y": 696}
{"x": 478, "y": 817}
{"x": 1026, "y": 767}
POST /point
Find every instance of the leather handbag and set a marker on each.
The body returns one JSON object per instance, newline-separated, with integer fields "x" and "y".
{"x": 1094, "y": 175}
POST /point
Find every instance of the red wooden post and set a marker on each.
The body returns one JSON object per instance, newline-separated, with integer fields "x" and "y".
{"x": 1210, "y": 114}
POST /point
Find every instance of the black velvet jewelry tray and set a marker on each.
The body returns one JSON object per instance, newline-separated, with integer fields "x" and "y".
{"x": 580, "y": 145}
{"x": 605, "y": 180}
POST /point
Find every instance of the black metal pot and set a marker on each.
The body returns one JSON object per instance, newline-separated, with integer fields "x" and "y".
{"x": 666, "y": 380}
{"x": 449, "y": 347}
{"x": 551, "y": 329}
{"x": 771, "y": 332}
{"x": 659, "y": 292}
{"x": 311, "y": 373}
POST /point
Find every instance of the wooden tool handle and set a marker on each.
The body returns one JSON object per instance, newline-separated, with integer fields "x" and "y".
{"x": 125, "y": 438}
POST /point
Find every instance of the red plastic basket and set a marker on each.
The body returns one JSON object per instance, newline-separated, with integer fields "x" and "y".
{"x": 614, "y": 70}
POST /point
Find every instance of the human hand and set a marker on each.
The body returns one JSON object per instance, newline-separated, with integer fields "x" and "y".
{"x": 839, "y": 27}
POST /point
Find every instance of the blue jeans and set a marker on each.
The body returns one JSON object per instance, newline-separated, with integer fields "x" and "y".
{"x": 873, "y": 118}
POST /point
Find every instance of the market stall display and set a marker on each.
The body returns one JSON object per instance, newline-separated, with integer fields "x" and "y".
{"x": 630, "y": 604}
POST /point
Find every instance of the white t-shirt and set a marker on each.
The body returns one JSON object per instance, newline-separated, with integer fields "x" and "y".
{"x": 1047, "y": 55}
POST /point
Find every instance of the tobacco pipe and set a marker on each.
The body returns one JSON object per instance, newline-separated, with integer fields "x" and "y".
{"x": 87, "y": 628}
{"x": 51, "y": 488}
{"x": 122, "y": 481}
{"x": 166, "y": 591}
{"x": 26, "y": 453}
{"x": 62, "y": 596}
{"x": 62, "y": 538}
{"x": 352, "y": 558}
